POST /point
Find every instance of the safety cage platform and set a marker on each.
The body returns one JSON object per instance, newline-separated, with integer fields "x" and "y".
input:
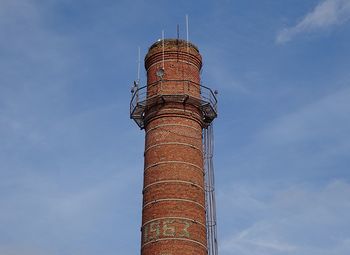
{"x": 145, "y": 97}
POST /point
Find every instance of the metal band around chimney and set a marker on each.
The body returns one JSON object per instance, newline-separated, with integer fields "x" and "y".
{"x": 173, "y": 181}
{"x": 172, "y": 200}
{"x": 175, "y": 162}
{"x": 172, "y": 125}
{"x": 175, "y": 238}
{"x": 173, "y": 143}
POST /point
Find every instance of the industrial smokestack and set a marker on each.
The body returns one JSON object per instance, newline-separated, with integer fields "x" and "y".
{"x": 173, "y": 109}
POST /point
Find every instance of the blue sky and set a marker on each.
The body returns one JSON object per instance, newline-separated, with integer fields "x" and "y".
{"x": 71, "y": 159}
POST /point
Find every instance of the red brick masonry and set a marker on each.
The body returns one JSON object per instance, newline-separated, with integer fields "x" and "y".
{"x": 173, "y": 215}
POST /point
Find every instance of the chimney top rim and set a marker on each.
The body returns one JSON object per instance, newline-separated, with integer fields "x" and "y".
{"x": 172, "y": 41}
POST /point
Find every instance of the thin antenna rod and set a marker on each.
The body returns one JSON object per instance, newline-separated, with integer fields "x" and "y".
{"x": 187, "y": 28}
{"x": 178, "y": 31}
{"x": 187, "y": 46}
{"x": 163, "y": 46}
{"x": 138, "y": 66}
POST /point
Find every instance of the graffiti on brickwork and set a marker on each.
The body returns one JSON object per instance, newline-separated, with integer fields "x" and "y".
{"x": 167, "y": 228}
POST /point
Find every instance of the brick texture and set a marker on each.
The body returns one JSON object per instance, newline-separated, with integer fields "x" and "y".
{"x": 173, "y": 214}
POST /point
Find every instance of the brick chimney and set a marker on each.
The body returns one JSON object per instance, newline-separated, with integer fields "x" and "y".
{"x": 173, "y": 109}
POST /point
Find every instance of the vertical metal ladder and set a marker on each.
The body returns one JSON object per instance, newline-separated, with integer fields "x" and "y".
{"x": 208, "y": 144}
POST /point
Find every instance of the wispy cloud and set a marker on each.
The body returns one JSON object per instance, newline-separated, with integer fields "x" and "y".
{"x": 326, "y": 14}
{"x": 57, "y": 190}
{"x": 309, "y": 140}
{"x": 291, "y": 212}
{"x": 294, "y": 220}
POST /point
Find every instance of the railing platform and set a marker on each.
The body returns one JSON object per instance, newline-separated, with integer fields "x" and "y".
{"x": 206, "y": 102}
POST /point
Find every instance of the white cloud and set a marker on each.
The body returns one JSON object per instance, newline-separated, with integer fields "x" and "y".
{"x": 323, "y": 118}
{"x": 326, "y": 14}
{"x": 310, "y": 142}
{"x": 295, "y": 220}
{"x": 41, "y": 215}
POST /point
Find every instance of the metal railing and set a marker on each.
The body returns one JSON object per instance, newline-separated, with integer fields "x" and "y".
{"x": 172, "y": 90}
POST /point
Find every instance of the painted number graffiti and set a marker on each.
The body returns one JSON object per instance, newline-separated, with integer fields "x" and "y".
{"x": 165, "y": 229}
